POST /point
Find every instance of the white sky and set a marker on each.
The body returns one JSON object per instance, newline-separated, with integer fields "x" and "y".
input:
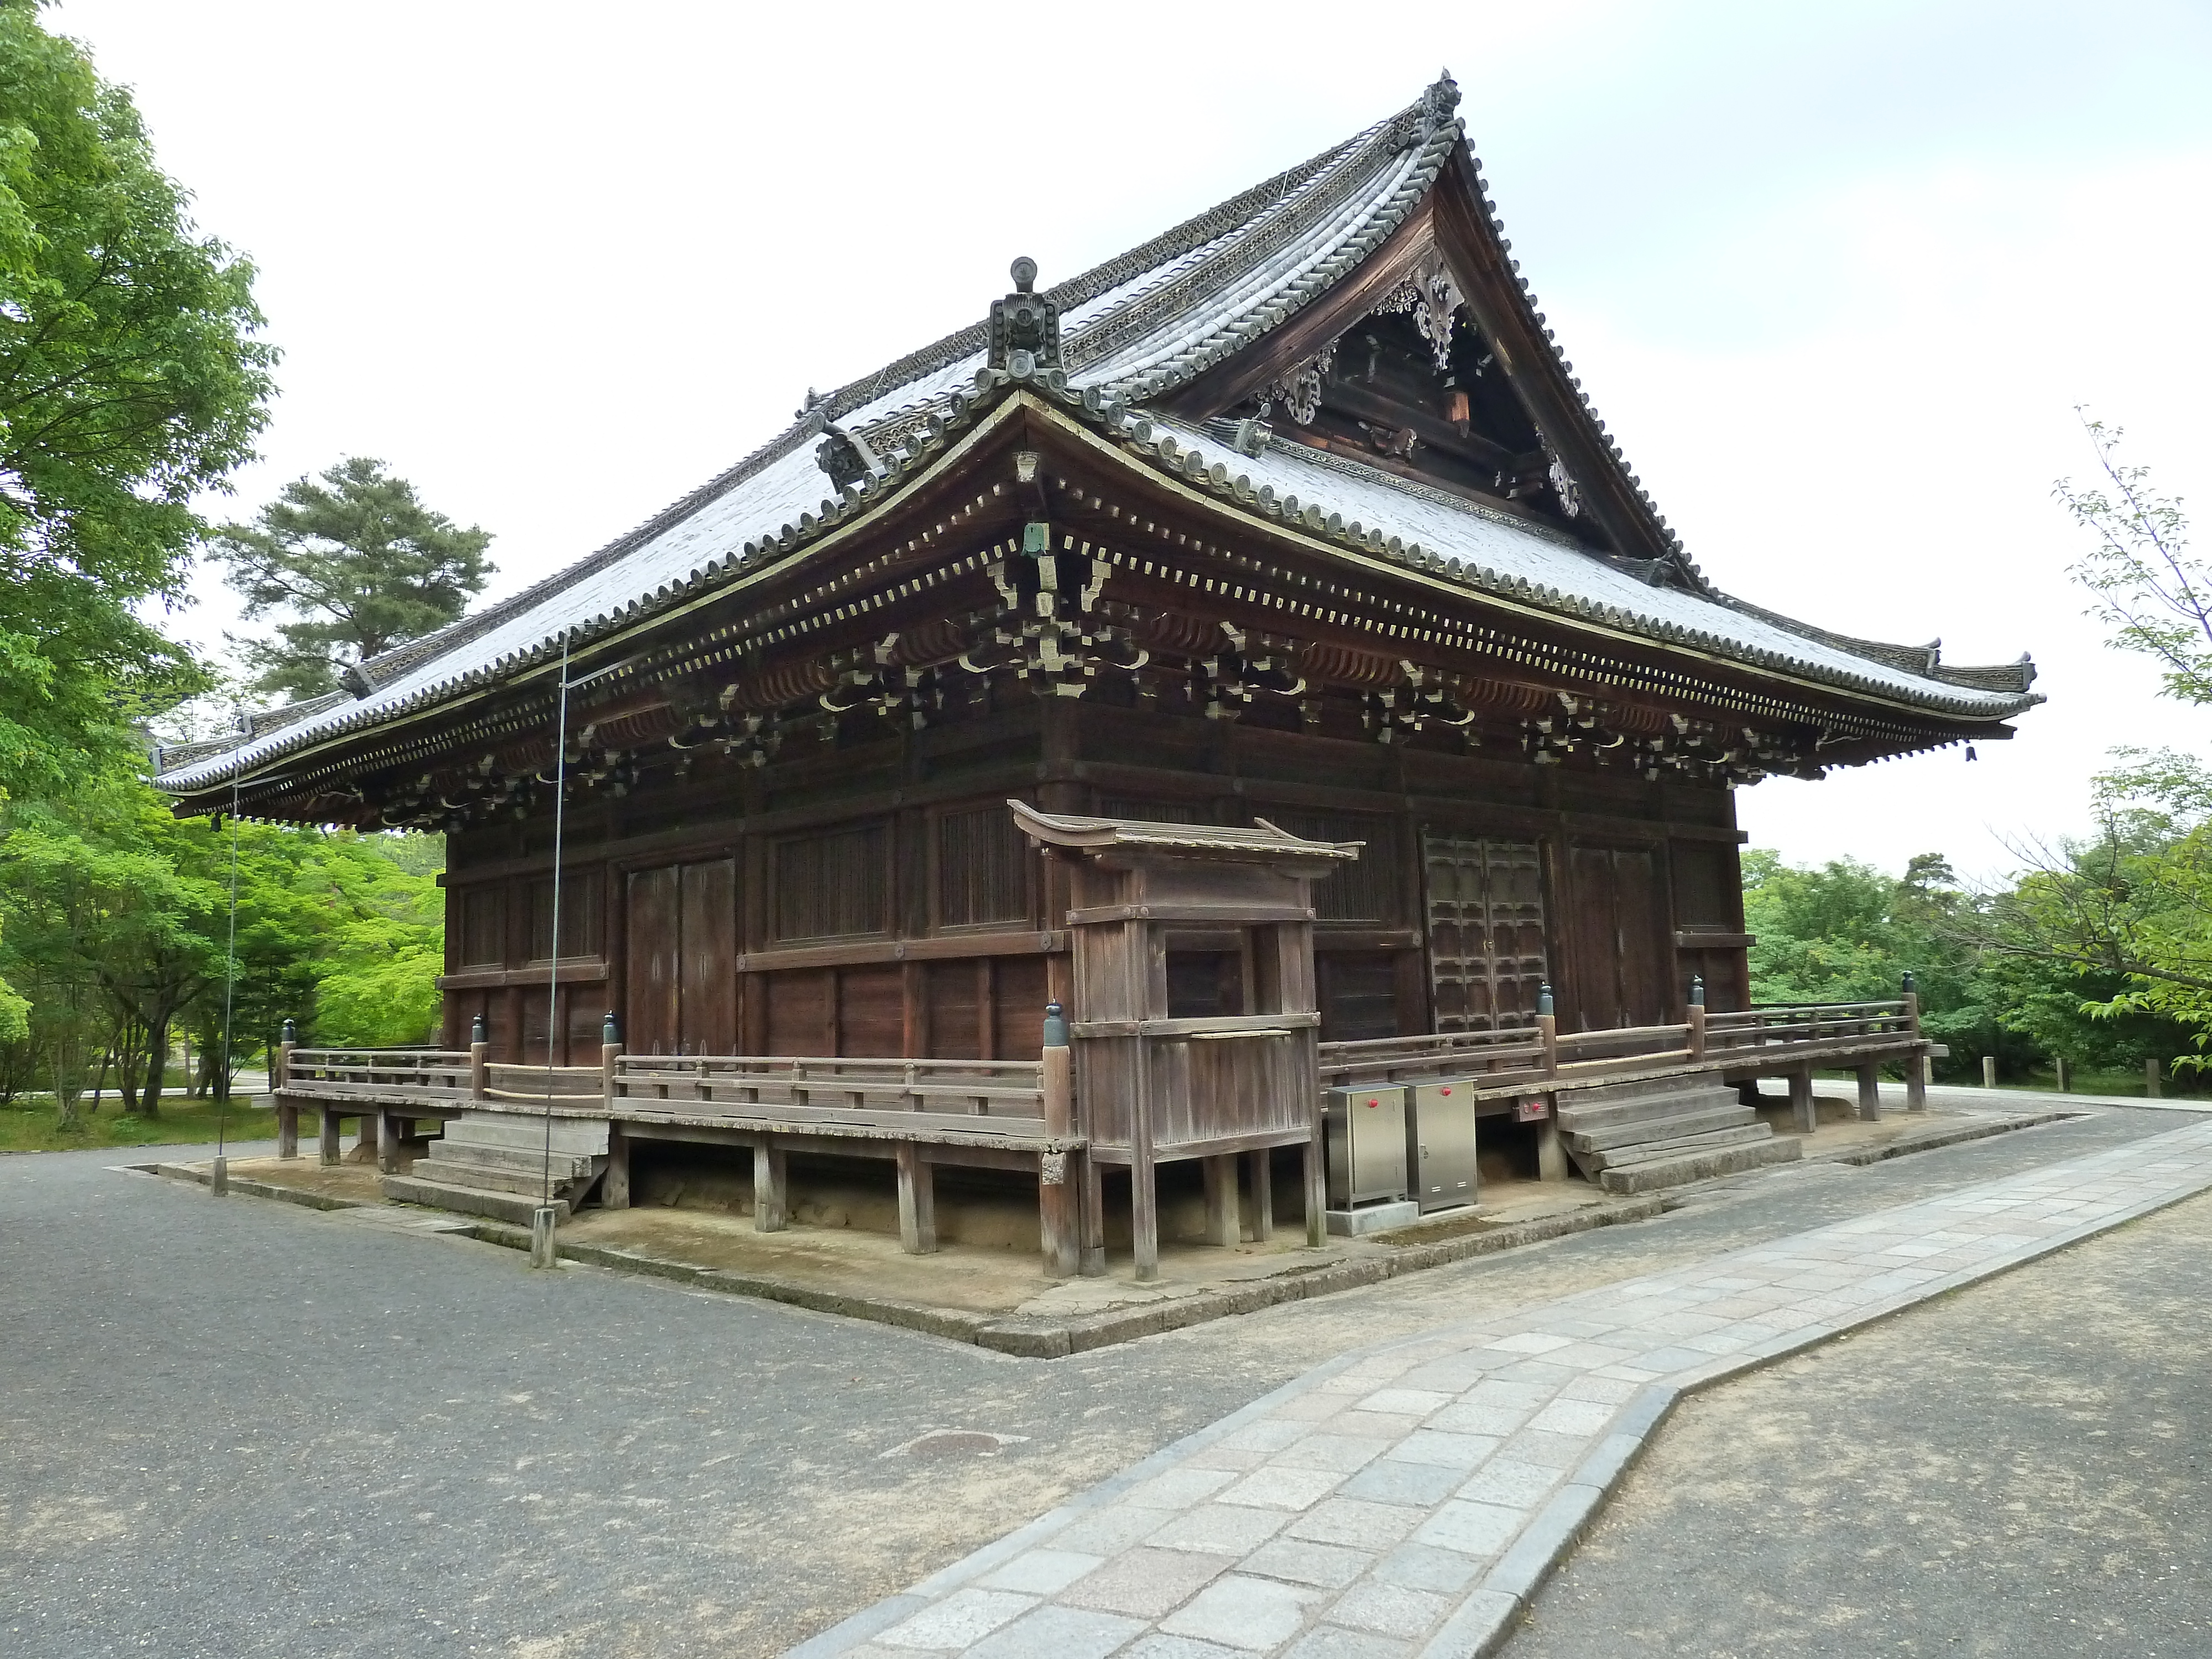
{"x": 1836, "y": 275}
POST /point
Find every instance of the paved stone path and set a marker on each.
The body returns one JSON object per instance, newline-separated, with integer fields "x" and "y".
{"x": 1411, "y": 1498}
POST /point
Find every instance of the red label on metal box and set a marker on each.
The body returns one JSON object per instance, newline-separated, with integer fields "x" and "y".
{"x": 1529, "y": 1111}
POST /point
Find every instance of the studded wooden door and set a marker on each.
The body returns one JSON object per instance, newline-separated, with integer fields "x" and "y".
{"x": 1485, "y": 933}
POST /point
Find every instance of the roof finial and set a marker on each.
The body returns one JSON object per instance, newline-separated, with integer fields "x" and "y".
{"x": 1440, "y": 100}
{"x": 1024, "y": 327}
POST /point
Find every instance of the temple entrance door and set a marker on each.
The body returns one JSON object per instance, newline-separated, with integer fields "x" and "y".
{"x": 682, "y": 959}
{"x": 1485, "y": 933}
{"x": 1620, "y": 973}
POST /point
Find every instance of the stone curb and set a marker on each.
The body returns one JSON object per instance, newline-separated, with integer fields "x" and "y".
{"x": 1904, "y": 1146}
{"x": 253, "y": 1189}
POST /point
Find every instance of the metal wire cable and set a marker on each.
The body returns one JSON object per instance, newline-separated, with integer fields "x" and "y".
{"x": 229, "y": 956}
{"x": 553, "y": 971}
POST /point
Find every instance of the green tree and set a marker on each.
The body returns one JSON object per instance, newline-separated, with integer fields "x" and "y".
{"x": 357, "y": 564}
{"x": 129, "y": 382}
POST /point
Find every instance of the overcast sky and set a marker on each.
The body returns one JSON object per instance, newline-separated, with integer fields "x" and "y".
{"x": 1836, "y": 275}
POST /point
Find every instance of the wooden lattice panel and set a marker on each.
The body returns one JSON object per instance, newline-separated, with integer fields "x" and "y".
{"x": 1486, "y": 951}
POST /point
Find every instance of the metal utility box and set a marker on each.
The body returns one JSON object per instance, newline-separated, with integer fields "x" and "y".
{"x": 1366, "y": 1135}
{"x": 1440, "y": 1144}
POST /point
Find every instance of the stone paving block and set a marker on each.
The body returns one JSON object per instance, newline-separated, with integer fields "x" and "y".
{"x": 1374, "y": 1425}
{"x": 1227, "y": 1457}
{"x": 1060, "y": 1633}
{"x": 1473, "y": 1419}
{"x": 1325, "y": 1566}
{"x": 1425, "y": 1566}
{"x": 1237, "y": 1611}
{"x": 1177, "y": 1647}
{"x": 1554, "y": 1451}
{"x": 1583, "y": 1417}
{"x": 960, "y": 1620}
{"x": 1178, "y": 1488}
{"x": 1041, "y": 1571}
{"x": 1391, "y": 1480}
{"x": 1478, "y": 1529}
{"x": 1450, "y": 1451}
{"x": 1146, "y": 1582}
{"x": 1276, "y": 1487}
{"x": 1510, "y": 1483}
{"x": 1357, "y": 1523}
{"x": 1323, "y": 1451}
{"x": 1599, "y": 1388}
{"x": 1407, "y": 1402}
{"x": 1530, "y": 1342}
{"x": 1312, "y": 1406}
{"x": 1452, "y": 1377}
{"x": 1328, "y": 1641}
{"x": 1107, "y": 1531}
{"x": 1268, "y": 1434}
{"x": 1537, "y": 1374}
{"x": 1220, "y": 1529}
{"x": 1391, "y": 1609}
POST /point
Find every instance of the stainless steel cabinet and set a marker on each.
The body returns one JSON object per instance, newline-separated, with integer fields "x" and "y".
{"x": 1440, "y": 1144}
{"x": 1365, "y": 1129}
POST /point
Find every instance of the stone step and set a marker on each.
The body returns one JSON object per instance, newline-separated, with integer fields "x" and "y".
{"x": 529, "y": 1160}
{"x": 468, "y": 1200}
{"x": 1576, "y": 1113}
{"x": 586, "y": 1136}
{"x": 1609, "y": 1135}
{"x": 458, "y": 1173}
{"x": 1652, "y": 1174}
{"x": 1622, "y": 1157}
{"x": 1609, "y": 1094}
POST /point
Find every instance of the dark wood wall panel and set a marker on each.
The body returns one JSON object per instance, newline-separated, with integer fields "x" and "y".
{"x": 833, "y": 885}
{"x": 1488, "y": 948}
{"x": 653, "y": 1022}
{"x": 1370, "y": 889}
{"x": 1358, "y": 994}
{"x": 583, "y": 910}
{"x": 483, "y": 928}
{"x": 1616, "y": 913}
{"x": 871, "y": 1010}
{"x": 1019, "y": 996}
{"x": 802, "y": 1011}
{"x": 707, "y": 979}
{"x": 983, "y": 863}
{"x": 957, "y": 994}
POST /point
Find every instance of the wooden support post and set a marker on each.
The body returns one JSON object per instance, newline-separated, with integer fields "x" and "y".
{"x": 1059, "y": 1207}
{"x": 366, "y": 1141}
{"x": 1989, "y": 1071}
{"x": 2058, "y": 1064}
{"x": 1547, "y": 1033}
{"x": 1317, "y": 1193}
{"x": 1800, "y": 1099}
{"x": 479, "y": 1061}
{"x": 387, "y": 1142}
{"x": 2150, "y": 1080}
{"x": 287, "y": 1128}
{"x": 1697, "y": 1031}
{"x": 1870, "y": 1092}
{"x": 1259, "y": 1171}
{"x": 771, "y": 1188}
{"x": 609, "y": 1053}
{"x": 1093, "y": 1218}
{"x": 614, "y": 1186}
{"x": 329, "y": 1138}
{"x": 1221, "y": 1175}
{"x": 1916, "y": 1083}
{"x": 1551, "y": 1150}
{"x": 917, "y": 1200}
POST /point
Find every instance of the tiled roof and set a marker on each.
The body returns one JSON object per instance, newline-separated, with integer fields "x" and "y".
{"x": 1132, "y": 331}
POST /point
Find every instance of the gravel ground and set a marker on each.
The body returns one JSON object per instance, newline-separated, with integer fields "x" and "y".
{"x": 2024, "y": 1468}
{"x": 242, "y": 1428}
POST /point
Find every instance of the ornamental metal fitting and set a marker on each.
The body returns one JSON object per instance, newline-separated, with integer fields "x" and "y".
{"x": 1024, "y": 327}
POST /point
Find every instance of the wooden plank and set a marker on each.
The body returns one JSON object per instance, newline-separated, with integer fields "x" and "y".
{"x": 947, "y": 948}
{"x": 1259, "y": 1177}
{"x": 329, "y": 1136}
{"x": 706, "y": 966}
{"x": 1869, "y": 1081}
{"x": 287, "y": 1127}
{"x": 653, "y": 968}
{"x": 614, "y": 1186}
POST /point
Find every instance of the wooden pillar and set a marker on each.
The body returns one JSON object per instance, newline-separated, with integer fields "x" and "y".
{"x": 1259, "y": 1171}
{"x": 1870, "y": 1092}
{"x": 1221, "y": 1175}
{"x": 771, "y": 1187}
{"x": 287, "y": 1127}
{"x": 1800, "y": 1099}
{"x": 387, "y": 1142}
{"x": 2150, "y": 1080}
{"x": 614, "y": 1187}
{"x": 329, "y": 1135}
{"x": 1093, "y": 1219}
{"x": 1551, "y": 1150}
{"x": 2058, "y": 1064}
{"x": 1916, "y": 1083}
{"x": 1697, "y": 1018}
{"x": 479, "y": 1064}
{"x": 917, "y": 1200}
{"x": 1317, "y": 1193}
{"x": 1059, "y": 1216}
{"x": 367, "y": 1140}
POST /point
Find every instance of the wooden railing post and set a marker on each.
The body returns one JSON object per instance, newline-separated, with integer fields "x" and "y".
{"x": 1697, "y": 1017}
{"x": 1058, "y": 1211}
{"x": 1551, "y": 1151}
{"x": 287, "y": 1115}
{"x": 479, "y": 1057}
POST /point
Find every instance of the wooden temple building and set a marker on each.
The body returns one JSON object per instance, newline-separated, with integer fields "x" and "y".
{"x": 1292, "y": 522}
